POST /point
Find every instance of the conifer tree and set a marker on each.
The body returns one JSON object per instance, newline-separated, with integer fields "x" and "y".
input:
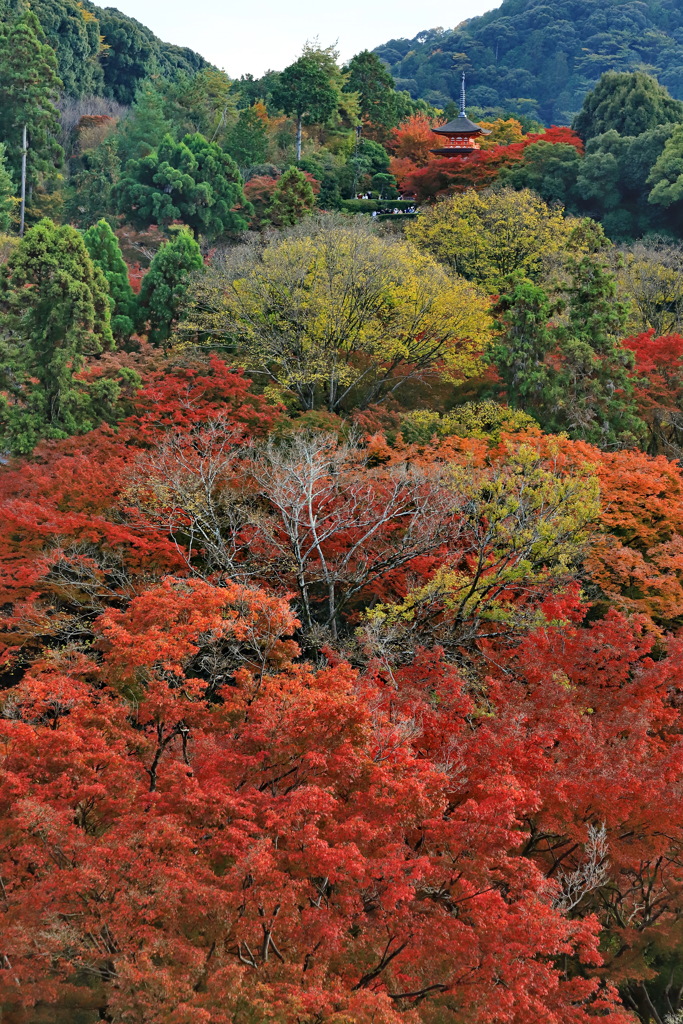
{"x": 305, "y": 92}
{"x": 146, "y": 126}
{"x": 165, "y": 286}
{"x": 293, "y": 199}
{"x": 519, "y": 355}
{"x": 89, "y": 194}
{"x": 193, "y": 181}
{"x": 595, "y": 387}
{"x": 247, "y": 142}
{"x": 105, "y": 252}
{"x": 54, "y": 312}
{"x": 573, "y": 374}
{"x": 7, "y": 201}
{"x": 29, "y": 86}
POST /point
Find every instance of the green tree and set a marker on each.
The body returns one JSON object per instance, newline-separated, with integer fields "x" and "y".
{"x": 146, "y": 126}
{"x": 379, "y": 103}
{"x": 548, "y": 170}
{"x": 89, "y": 193}
{"x": 202, "y": 102}
{"x": 304, "y": 91}
{"x": 247, "y": 142}
{"x": 7, "y": 190}
{"x": 630, "y": 103}
{"x": 666, "y": 176}
{"x": 594, "y": 385}
{"x": 130, "y": 55}
{"x": 293, "y": 199}
{"x": 193, "y": 181}
{"x": 570, "y": 372}
{"x": 105, "y": 252}
{"x": 73, "y": 32}
{"x": 29, "y": 86}
{"x": 54, "y": 312}
{"x": 165, "y": 286}
{"x": 526, "y": 338}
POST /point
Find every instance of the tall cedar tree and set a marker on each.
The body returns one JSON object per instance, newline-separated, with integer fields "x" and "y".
{"x": 164, "y": 287}
{"x": 575, "y": 375}
{"x": 7, "y": 192}
{"x": 146, "y": 126}
{"x": 247, "y": 142}
{"x": 522, "y": 347}
{"x": 89, "y": 193}
{"x": 293, "y": 199}
{"x": 305, "y": 92}
{"x": 29, "y": 87}
{"x": 103, "y": 246}
{"x": 54, "y": 311}
{"x": 381, "y": 107}
{"x": 595, "y": 380}
{"x": 192, "y": 180}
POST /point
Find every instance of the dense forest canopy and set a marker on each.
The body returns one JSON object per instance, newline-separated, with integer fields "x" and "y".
{"x": 540, "y": 57}
{"x": 101, "y": 51}
{"x": 341, "y": 541}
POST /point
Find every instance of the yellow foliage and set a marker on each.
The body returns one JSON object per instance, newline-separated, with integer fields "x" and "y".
{"x": 526, "y": 527}
{"x": 502, "y": 132}
{"x": 335, "y": 312}
{"x": 487, "y": 235}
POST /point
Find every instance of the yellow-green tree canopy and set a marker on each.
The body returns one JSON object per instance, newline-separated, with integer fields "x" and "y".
{"x": 333, "y": 312}
{"x": 485, "y": 236}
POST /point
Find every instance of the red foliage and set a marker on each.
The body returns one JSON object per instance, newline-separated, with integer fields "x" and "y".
{"x": 197, "y": 826}
{"x": 441, "y": 176}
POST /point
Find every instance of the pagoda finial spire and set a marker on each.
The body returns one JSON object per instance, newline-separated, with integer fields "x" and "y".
{"x": 462, "y": 95}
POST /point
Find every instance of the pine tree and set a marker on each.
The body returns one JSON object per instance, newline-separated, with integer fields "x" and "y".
{"x": 103, "y": 246}
{"x": 519, "y": 355}
{"x": 247, "y": 142}
{"x": 165, "y": 286}
{"x": 54, "y": 312}
{"x": 293, "y": 199}
{"x": 595, "y": 387}
{"x": 89, "y": 194}
{"x": 29, "y": 86}
{"x": 306, "y": 92}
{"x": 193, "y": 181}
{"x": 146, "y": 126}
{"x": 7, "y": 191}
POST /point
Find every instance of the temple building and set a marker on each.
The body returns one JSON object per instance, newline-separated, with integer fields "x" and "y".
{"x": 460, "y": 135}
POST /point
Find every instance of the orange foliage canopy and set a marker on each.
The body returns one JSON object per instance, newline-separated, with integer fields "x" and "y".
{"x": 198, "y": 826}
{"x": 440, "y": 176}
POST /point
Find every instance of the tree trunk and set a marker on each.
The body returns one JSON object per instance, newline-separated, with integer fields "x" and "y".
{"x": 24, "y": 149}
{"x": 298, "y": 139}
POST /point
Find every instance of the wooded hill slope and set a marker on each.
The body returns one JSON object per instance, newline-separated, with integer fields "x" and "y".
{"x": 540, "y": 57}
{"x": 101, "y": 51}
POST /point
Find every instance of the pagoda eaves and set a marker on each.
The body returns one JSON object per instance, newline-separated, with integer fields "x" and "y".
{"x": 460, "y": 135}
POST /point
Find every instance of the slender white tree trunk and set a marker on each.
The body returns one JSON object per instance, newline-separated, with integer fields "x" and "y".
{"x": 24, "y": 150}
{"x": 298, "y": 140}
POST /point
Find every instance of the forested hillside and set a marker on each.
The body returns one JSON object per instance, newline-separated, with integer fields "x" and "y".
{"x": 540, "y": 57}
{"x": 341, "y": 545}
{"x": 101, "y": 51}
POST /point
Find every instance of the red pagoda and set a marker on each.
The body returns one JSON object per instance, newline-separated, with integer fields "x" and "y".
{"x": 461, "y": 135}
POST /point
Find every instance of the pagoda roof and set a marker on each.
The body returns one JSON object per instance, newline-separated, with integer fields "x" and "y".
{"x": 461, "y": 125}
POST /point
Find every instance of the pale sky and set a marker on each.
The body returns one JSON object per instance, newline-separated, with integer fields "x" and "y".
{"x": 256, "y": 35}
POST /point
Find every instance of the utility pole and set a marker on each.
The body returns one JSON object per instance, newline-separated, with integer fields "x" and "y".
{"x": 24, "y": 150}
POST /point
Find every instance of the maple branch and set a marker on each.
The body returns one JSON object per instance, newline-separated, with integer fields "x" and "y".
{"x": 419, "y": 995}
{"x": 387, "y": 957}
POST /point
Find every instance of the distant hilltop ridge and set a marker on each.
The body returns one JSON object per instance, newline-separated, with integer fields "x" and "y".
{"x": 102, "y": 52}
{"x": 540, "y": 57}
